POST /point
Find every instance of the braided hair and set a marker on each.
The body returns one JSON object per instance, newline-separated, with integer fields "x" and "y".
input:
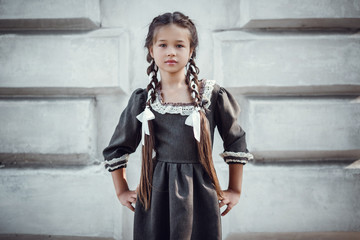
{"x": 204, "y": 146}
{"x": 191, "y": 79}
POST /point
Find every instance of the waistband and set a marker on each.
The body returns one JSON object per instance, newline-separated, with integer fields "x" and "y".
{"x": 179, "y": 161}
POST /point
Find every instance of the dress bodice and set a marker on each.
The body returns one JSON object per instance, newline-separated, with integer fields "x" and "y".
{"x": 174, "y": 141}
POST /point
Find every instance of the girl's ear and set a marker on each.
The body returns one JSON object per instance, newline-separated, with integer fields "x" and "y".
{"x": 191, "y": 53}
{"x": 151, "y": 52}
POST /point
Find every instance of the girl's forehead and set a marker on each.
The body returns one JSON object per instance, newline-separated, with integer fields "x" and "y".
{"x": 171, "y": 32}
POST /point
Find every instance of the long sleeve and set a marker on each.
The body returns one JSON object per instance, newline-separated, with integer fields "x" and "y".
{"x": 127, "y": 134}
{"x": 233, "y": 136}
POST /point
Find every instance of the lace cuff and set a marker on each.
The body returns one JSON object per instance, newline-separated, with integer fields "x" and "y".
{"x": 237, "y": 157}
{"x": 116, "y": 163}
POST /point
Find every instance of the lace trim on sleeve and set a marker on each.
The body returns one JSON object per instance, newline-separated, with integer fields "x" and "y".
{"x": 237, "y": 157}
{"x": 183, "y": 108}
{"x": 116, "y": 163}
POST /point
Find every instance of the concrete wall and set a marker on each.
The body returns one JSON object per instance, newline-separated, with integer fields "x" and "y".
{"x": 67, "y": 69}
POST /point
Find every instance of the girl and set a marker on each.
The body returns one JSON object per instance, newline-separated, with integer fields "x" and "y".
{"x": 174, "y": 118}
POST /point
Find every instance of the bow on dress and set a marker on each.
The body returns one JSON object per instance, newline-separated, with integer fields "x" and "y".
{"x": 194, "y": 120}
{"x": 144, "y": 117}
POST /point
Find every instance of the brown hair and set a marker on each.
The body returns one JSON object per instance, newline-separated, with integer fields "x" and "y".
{"x": 204, "y": 146}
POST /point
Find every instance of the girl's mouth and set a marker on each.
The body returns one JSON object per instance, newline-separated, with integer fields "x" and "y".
{"x": 170, "y": 61}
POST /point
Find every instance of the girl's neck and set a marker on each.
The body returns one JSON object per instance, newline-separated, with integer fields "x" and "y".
{"x": 172, "y": 80}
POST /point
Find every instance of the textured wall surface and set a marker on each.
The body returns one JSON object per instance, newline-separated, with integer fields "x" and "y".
{"x": 67, "y": 69}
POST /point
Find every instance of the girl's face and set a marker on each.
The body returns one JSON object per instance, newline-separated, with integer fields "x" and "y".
{"x": 171, "y": 49}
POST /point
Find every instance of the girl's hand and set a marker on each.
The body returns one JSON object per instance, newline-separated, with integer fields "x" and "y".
{"x": 230, "y": 198}
{"x": 127, "y": 198}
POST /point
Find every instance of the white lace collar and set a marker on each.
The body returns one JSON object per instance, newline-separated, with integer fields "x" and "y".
{"x": 184, "y": 108}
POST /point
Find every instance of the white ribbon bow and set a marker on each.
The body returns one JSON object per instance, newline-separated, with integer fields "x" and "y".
{"x": 144, "y": 117}
{"x": 194, "y": 120}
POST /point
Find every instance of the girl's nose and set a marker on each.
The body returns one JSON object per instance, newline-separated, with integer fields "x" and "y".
{"x": 171, "y": 51}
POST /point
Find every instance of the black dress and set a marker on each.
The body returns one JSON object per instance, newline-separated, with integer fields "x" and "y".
{"x": 184, "y": 203}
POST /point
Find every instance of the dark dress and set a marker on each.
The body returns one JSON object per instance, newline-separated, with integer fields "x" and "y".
{"x": 184, "y": 203}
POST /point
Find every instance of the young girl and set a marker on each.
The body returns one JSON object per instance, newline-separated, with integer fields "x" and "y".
{"x": 174, "y": 118}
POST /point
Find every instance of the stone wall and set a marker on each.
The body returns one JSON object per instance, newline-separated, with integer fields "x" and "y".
{"x": 67, "y": 69}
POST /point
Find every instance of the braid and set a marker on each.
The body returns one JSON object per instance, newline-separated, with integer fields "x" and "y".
{"x": 192, "y": 81}
{"x": 154, "y": 82}
{"x": 147, "y": 166}
{"x": 204, "y": 146}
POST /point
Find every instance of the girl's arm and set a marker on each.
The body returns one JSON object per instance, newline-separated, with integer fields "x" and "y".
{"x": 125, "y": 196}
{"x": 231, "y": 196}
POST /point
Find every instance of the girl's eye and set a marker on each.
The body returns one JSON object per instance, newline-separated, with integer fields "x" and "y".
{"x": 162, "y": 45}
{"x": 180, "y": 46}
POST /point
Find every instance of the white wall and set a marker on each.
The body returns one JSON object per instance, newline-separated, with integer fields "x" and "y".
{"x": 67, "y": 69}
